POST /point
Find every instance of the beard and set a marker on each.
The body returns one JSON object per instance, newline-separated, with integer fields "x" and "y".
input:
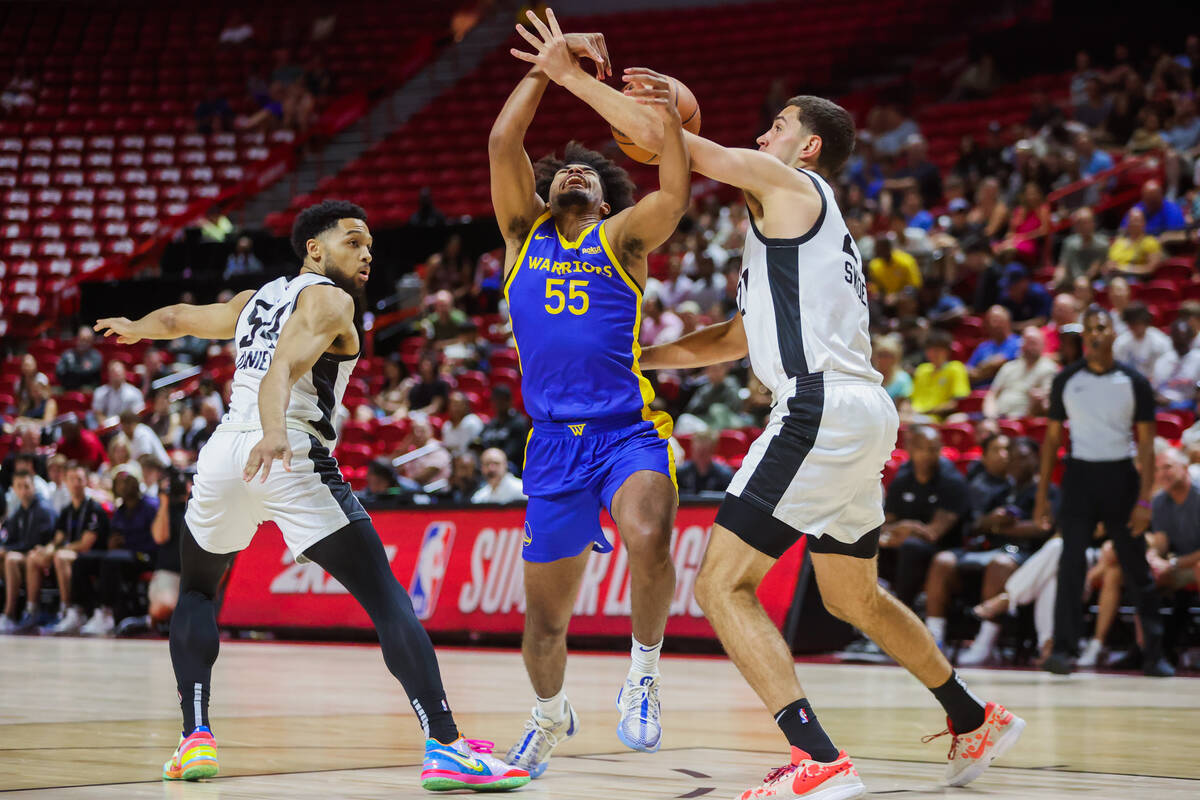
{"x": 349, "y": 285}
{"x": 572, "y": 198}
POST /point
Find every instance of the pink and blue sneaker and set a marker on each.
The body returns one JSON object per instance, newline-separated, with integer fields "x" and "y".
{"x": 195, "y": 757}
{"x": 468, "y": 764}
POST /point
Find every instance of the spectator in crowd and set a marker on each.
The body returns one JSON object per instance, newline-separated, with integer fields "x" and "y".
{"x": 1142, "y": 345}
{"x": 941, "y": 307}
{"x": 82, "y": 527}
{"x": 213, "y": 113}
{"x": 462, "y": 427}
{"x": 1084, "y": 252}
{"x": 507, "y": 429}
{"x": 201, "y": 427}
{"x": 892, "y": 269}
{"x": 989, "y": 475}
{"x": 1012, "y": 536}
{"x": 1063, "y": 312}
{"x": 427, "y": 214}
{"x": 81, "y": 445}
{"x": 27, "y": 378}
{"x": 1001, "y": 346}
{"x": 151, "y": 370}
{"x": 24, "y": 535}
{"x": 131, "y": 546}
{"x": 41, "y": 409}
{"x": 918, "y": 173}
{"x": 978, "y": 80}
{"x": 1159, "y": 215}
{"x": 499, "y": 485}
{"x": 912, "y": 208}
{"x": 141, "y": 439}
{"x": 1119, "y": 297}
{"x": 162, "y": 592}
{"x": 56, "y": 472}
{"x": 392, "y": 397}
{"x": 1022, "y": 386}
{"x": 939, "y": 382}
{"x": 926, "y": 505}
{"x": 1174, "y": 553}
{"x": 1148, "y": 136}
{"x": 429, "y": 393}
{"x": 381, "y": 491}
{"x": 988, "y": 274}
{"x": 162, "y": 420}
{"x": 1134, "y": 252}
{"x": 242, "y": 260}
{"x": 990, "y": 211}
{"x": 116, "y": 396}
{"x": 715, "y": 403}
{"x": 79, "y": 367}
{"x": 1092, "y": 160}
{"x": 885, "y": 356}
{"x": 1030, "y": 222}
{"x": 891, "y": 129}
{"x": 700, "y": 474}
{"x": 1081, "y": 76}
{"x": 1094, "y": 110}
{"x": 1177, "y": 370}
{"x": 27, "y": 462}
{"x": 428, "y": 460}
{"x": 464, "y": 479}
{"x": 1027, "y": 302}
{"x": 659, "y": 324}
{"x": 447, "y": 325}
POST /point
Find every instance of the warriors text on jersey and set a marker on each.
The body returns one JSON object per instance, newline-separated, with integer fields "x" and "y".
{"x": 317, "y": 394}
{"x": 804, "y": 301}
{"x": 575, "y": 317}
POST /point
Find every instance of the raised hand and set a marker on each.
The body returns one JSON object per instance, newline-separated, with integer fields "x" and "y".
{"x": 558, "y": 54}
{"x": 120, "y": 327}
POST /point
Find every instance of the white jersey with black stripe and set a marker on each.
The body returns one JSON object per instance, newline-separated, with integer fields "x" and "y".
{"x": 804, "y": 302}
{"x": 317, "y": 394}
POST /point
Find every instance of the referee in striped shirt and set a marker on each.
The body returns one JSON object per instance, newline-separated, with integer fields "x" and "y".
{"x": 1104, "y": 401}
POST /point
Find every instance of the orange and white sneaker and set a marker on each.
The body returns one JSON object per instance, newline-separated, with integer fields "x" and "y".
{"x": 194, "y": 759}
{"x": 971, "y": 753}
{"x": 812, "y": 780}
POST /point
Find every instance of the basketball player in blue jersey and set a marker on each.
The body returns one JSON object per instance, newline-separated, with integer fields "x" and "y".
{"x": 815, "y": 470}
{"x": 575, "y": 264}
{"x": 298, "y": 340}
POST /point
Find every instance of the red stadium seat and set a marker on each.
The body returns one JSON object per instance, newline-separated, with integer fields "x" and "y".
{"x": 354, "y": 455}
{"x": 959, "y": 435}
{"x": 732, "y": 443}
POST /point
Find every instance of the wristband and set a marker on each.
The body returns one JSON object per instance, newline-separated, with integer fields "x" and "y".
{"x": 1143, "y": 504}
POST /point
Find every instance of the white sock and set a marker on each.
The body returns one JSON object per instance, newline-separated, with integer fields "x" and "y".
{"x": 937, "y": 626}
{"x": 645, "y": 658}
{"x": 553, "y": 708}
{"x": 986, "y": 639}
{"x": 1093, "y": 645}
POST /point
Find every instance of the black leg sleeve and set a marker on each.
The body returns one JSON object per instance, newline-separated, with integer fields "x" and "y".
{"x": 194, "y": 636}
{"x": 354, "y": 556}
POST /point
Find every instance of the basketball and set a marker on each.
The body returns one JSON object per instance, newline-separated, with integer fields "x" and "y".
{"x": 689, "y": 112}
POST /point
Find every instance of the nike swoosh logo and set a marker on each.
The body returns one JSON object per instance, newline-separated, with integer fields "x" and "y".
{"x": 647, "y": 649}
{"x": 541, "y": 237}
{"x": 472, "y": 764}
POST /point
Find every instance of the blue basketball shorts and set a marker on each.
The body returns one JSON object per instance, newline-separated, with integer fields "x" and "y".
{"x": 572, "y": 470}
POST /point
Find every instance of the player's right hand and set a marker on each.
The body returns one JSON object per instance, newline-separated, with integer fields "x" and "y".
{"x": 273, "y": 445}
{"x": 120, "y": 327}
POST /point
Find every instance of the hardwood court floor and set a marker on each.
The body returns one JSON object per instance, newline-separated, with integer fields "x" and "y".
{"x": 96, "y": 719}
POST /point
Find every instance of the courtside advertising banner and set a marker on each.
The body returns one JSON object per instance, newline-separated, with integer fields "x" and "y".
{"x": 464, "y": 571}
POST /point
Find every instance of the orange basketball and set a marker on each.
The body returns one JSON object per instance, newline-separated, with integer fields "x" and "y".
{"x": 689, "y": 112}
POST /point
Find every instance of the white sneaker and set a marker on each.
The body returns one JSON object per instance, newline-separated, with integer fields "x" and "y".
{"x": 532, "y": 751}
{"x": 6, "y": 624}
{"x": 70, "y": 624}
{"x": 1090, "y": 657}
{"x": 101, "y": 624}
{"x": 640, "y": 727}
{"x": 975, "y": 655}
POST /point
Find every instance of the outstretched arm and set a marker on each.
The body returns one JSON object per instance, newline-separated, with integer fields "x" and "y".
{"x": 651, "y": 221}
{"x": 215, "y": 321}
{"x": 323, "y": 313}
{"x": 714, "y": 344}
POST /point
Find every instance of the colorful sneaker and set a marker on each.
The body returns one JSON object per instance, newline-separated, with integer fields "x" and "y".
{"x": 468, "y": 764}
{"x": 540, "y": 737}
{"x": 640, "y": 727}
{"x": 195, "y": 758}
{"x": 971, "y": 753}
{"x": 812, "y": 780}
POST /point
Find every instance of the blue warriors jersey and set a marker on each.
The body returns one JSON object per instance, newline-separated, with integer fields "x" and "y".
{"x": 576, "y": 315}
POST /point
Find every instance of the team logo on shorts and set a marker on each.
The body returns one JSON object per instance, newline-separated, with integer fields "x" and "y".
{"x": 577, "y": 429}
{"x": 430, "y": 572}
{"x": 528, "y": 538}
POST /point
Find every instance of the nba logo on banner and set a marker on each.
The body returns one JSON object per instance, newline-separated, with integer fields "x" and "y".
{"x": 430, "y": 571}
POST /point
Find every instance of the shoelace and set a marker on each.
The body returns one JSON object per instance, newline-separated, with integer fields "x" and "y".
{"x": 634, "y": 695}
{"x": 526, "y": 758}
{"x": 480, "y": 746}
{"x": 953, "y": 740}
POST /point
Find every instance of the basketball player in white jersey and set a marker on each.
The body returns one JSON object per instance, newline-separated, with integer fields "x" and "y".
{"x": 816, "y": 468}
{"x": 297, "y": 342}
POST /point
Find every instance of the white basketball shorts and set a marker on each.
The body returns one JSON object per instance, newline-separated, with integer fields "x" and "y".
{"x": 308, "y": 503}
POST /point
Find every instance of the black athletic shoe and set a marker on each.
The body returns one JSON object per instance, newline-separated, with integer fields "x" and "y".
{"x": 1058, "y": 664}
{"x": 1159, "y": 669}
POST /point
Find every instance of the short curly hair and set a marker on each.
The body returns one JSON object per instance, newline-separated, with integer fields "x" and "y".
{"x": 315, "y": 220}
{"x": 615, "y": 183}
